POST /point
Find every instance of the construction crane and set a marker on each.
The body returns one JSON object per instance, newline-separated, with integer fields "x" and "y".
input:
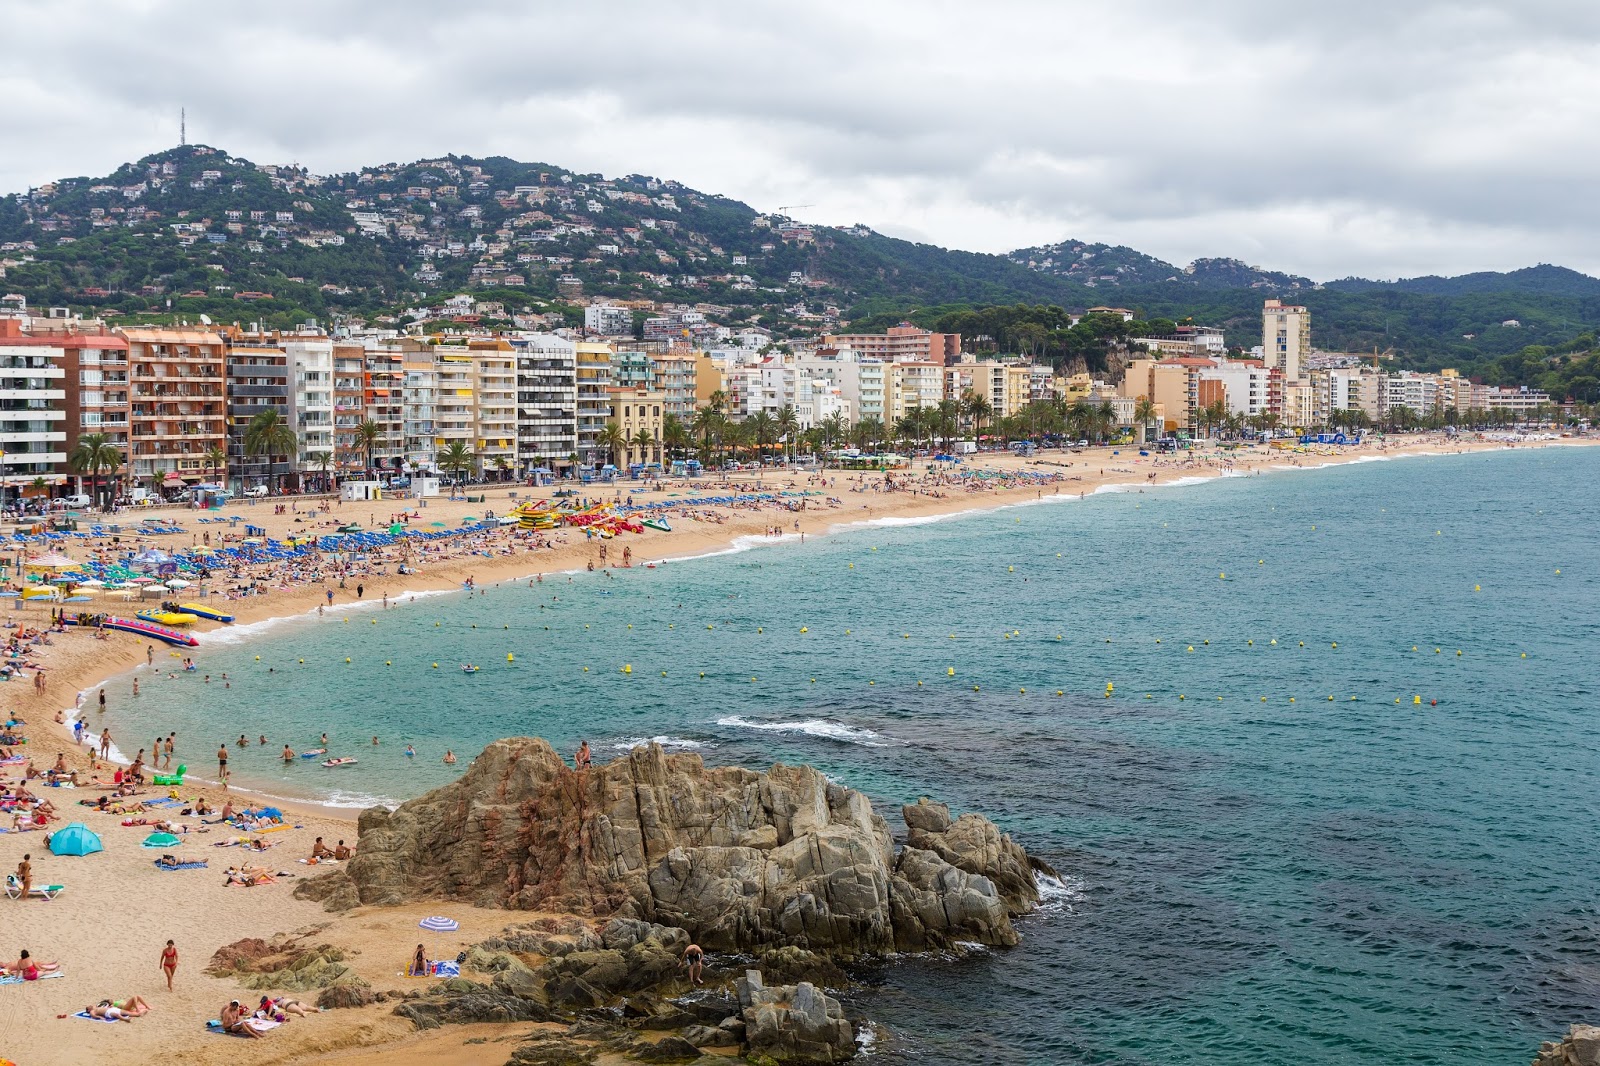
{"x": 1386, "y": 354}
{"x": 794, "y": 207}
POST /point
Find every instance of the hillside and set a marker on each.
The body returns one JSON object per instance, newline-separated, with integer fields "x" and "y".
{"x": 194, "y": 230}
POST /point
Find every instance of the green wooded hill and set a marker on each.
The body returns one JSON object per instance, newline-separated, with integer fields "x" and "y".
{"x": 217, "y": 234}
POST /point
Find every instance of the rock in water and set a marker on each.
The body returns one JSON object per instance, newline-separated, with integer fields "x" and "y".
{"x": 794, "y": 1023}
{"x": 1580, "y": 1047}
{"x": 742, "y": 860}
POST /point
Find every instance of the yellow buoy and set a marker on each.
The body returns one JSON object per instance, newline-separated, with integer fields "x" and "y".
{"x": 1207, "y": 641}
{"x": 1416, "y": 699}
{"x": 1191, "y": 647}
{"x": 847, "y": 632}
{"x": 703, "y": 673}
{"x": 1158, "y": 640}
{"x": 1222, "y": 576}
{"x": 1251, "y": 643}
{"x": 586, "y": 669}
{"x": 1436, "y": 651}
{"x": 436, "y": 666}
{"x": 950, "y": 671}
{"x": 302, "y": 662}
{"x": 1263, "y": 699}
{"x": 375, "y": 622}
{"x": 803, "y": 629}
{"x": 1291, "y": 699}
{"x": 1011, "y": 569}
{"x": 758, "y": 629}
{"x": 1330, "y": 699}
{"x": 1060, "y": 693}
{"x": 1275, "y": 640}
{"x": 1524, "y": 655}
{"x": 630, "y": 626}
{"x": 258, "y": 658}
{"x": 1023, "y": 691}
{"x": 905, "y": 636}
{"x": 663, "y": 673}
{"x": 627, "y": 668}
{"x": 1458, "y": 653}
{"x": 709, "y": 626}
{"x": 387, "y": 662}
{"x": 347, "y": 658}
{"x": 1477, "y": 588}
{"x": 1058, "y": 636}
{"x": 919, "y": 684}
{"x": 852, "y": 566}
{"x": 510, "y": 658}
{"x": 974, "y": 688}
{"x": 1261, "y": 562}
{"x": 1336, "y": 644}
{"x": 869, "y": 682}
{"x": 436, "y": 625}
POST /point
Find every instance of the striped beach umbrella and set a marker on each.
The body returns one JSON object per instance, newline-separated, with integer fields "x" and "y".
{"x": 439, "y": 924}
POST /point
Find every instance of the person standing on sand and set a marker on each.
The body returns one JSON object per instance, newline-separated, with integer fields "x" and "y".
{"x": 105, "y": 743}
{"x": 25, "y": 875}
{"x": 149, "y": 654}
{"x": 169, "y": 962}
{"x": 222, "y": 765}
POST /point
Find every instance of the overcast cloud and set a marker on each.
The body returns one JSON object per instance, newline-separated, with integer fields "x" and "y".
{"x": 1359, "y": 137}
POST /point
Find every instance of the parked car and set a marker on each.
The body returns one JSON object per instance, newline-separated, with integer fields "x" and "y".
{"x": 77, "y": 500}
{"x": 256, "y": 492}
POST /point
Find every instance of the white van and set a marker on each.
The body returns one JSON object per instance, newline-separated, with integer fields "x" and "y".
{"x": 77, "y": 500}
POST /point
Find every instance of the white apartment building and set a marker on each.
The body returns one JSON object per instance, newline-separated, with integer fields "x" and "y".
{"x": 33, "y": 427}
{"x": 913, "y": 386}
{"x": 419, "y": 394}
{"x": 494, "y": 408}
{"x": 608, "y": 319}
{"x": 1354, "y": 389}
{"x": 310, "y": 361}
{"x": 595, "y": 379}
{"x": 547, "y": 401}
{"x": 1285, "y": 338}
{"x": 1418, "y": 393}
{"x": 454, "y": 407}
{"x": 1245, "y": 385}
{"x": 860, "y": 382}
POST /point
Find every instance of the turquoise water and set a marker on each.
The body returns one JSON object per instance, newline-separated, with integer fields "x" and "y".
{"x": 1344, "y": 881}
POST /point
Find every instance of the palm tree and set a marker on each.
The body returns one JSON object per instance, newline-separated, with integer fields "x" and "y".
{"x": 643, "y": 441}
{"x": 787, "y": 423}
{"x": 322, "y": 461}
{"x": 93, "y": 453}
{"x": 868, "y": 431}
{"x": 764, "y": 426}
{"x": 946, "y": 416}
{"x": 216, "y": 458}
{"x": 1105, "y": 417}
{"x": 674, "y": 435}
{"x": 709, "y": 423}
{"x": 455, "y": 458}
{"x": 613, "y": 440}
{"x": 978, "y": 411}
{"x": 501, "y": 465}
{"x": 268, "y": 434}
{"x": 368, "y": 434}
{"x": 1144, "y": 412}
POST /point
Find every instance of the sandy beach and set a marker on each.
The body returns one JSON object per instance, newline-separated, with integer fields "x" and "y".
{"x": 108, "y": 927}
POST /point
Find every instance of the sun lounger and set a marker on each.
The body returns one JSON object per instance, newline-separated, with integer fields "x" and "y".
{"x": 14, "y": 889}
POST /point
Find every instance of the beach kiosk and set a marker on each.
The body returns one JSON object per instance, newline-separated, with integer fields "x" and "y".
{"x": 361, "y": 491}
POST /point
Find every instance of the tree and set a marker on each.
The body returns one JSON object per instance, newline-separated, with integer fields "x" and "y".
{"x": 644, "y": 440}
{"x": 268, "y": 434}
{"x": 787, "y": 424}
{"x": 93, "y": 453}
{"x": 501, "y": 466}
{"x": 614, "y": 441}
{"x": 764, "y": 427}
{"x": 216, "y": 458}
{"x": 709, "y": 424}
{"x": 455, "y": 458}
{"x": 674, "y": 436}
{"x": 978, "y": 411}
{"x": 322, "y": 461}
{"x": 1144, "y": 412}
{"x": 368, "y": 434}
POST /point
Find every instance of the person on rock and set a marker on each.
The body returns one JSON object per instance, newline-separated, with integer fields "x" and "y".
{"x": 581, "y": 761}
{"x": 694, "y": 957}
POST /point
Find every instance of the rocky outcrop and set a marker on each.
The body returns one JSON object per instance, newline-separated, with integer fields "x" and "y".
{"x": 793, "y": 1023}
{"x": 1580, "y": 1047}
{"x": 284, "y": 964}
{"x": 740, "y": 860}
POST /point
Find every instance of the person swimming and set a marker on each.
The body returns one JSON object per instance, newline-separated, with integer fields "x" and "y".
{"x": 410, "y": 751}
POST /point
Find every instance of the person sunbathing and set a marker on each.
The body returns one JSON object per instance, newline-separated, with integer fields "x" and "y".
{"x": 287, "y": 1005}
{"x": 235, "y": 1020}
{"x": 108, "y": 1011}
{"x": 26, "y": 964}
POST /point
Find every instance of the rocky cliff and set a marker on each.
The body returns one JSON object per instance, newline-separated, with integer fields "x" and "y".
{"x": 741, "y": 860}
{"x": 1580, "y": 1047}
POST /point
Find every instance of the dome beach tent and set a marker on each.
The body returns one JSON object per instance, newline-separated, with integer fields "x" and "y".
{"x": 75, "y": 839}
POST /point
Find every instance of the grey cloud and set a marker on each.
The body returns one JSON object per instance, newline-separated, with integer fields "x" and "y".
{"x": 1367, "y": 136}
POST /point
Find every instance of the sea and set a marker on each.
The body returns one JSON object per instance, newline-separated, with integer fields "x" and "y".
{"x": 1312, "y": 751}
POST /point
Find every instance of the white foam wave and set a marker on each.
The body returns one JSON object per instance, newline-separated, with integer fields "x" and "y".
{"x": 737, "y": 546}
{"x": 670, "y": 743}
{"x": 813, "y": 727}
{"x": 238, "y": 634}
{"x": 1060, "y": 895}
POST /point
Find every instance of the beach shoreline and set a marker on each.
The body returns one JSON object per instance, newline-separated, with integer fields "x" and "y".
{"x": 116, "y": 955}
{"x": 743, "y": 532}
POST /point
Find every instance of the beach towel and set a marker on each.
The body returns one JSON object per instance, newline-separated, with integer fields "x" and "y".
{"x": 258, "y": 1024}
{"x": 86, "y": 1016}
{"x": 318, "y": 862}
{"x": 201, "y": 865}
{"x": 446, "y": 969}
{"x": 17, "y": 979}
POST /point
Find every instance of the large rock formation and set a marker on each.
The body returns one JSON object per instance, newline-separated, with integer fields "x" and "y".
{"x": 742, "y": 860}
{"x": 1580, "y": 1047}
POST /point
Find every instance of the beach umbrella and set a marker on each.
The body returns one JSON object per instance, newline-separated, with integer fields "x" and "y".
{"x": 75, "y": 839}
{"x": 52, "y": 561}
{"x": 161, "y": 840}
{"x": 439, "y": 924}
{"x": 142, "y": 580}
{"x": 78, "y": 599}
{"x": 177, "y": 583}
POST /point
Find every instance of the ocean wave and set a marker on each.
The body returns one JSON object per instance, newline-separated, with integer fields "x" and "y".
{"x": 1060, "y": 895}
{"x": 737, "y": 546}
{"x": 813, "y": 727}
{"x": 670, "y": 743}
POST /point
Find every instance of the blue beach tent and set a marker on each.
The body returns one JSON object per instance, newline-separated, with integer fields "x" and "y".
{"x": 75, "y": 839}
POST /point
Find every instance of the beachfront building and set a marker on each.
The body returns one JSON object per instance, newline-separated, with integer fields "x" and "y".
{"x": 635, "y": 411}
{"x": 547, "y": 402}
{"x": 608, "y": 320}
{"x": 1354, "y": 389}
{"x": 1246, "y": 385}
{"x": 384, "y": 380}
{"x": 419, "y": 394}
{"x": 1417, "y": 393}
{"x": 33, "y": 431}
{"x": 1285, "y": 338}
{"x": 311, "y": 407}
{"x": 902, "y": 343}
{"x": 177, "y": 414}
{"x": 258, "y": 379}
{"x": 631, "y": 370}
{"x": 94, "y": 363}
{"x": 453, "y": 404}
{"x": 593, "y": 375}
{"x": 1164, "y": 384}
{"x": 911, "y": 387}
{"x": 349, "y": 406}
{"x": 674, "y": 376}
{"x": 494, "y": 407}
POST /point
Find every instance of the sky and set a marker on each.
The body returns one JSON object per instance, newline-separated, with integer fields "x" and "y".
{"x": 1379, "y": 138}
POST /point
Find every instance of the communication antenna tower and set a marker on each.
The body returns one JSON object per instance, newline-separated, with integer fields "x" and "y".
{"x": 183, "y": 127}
